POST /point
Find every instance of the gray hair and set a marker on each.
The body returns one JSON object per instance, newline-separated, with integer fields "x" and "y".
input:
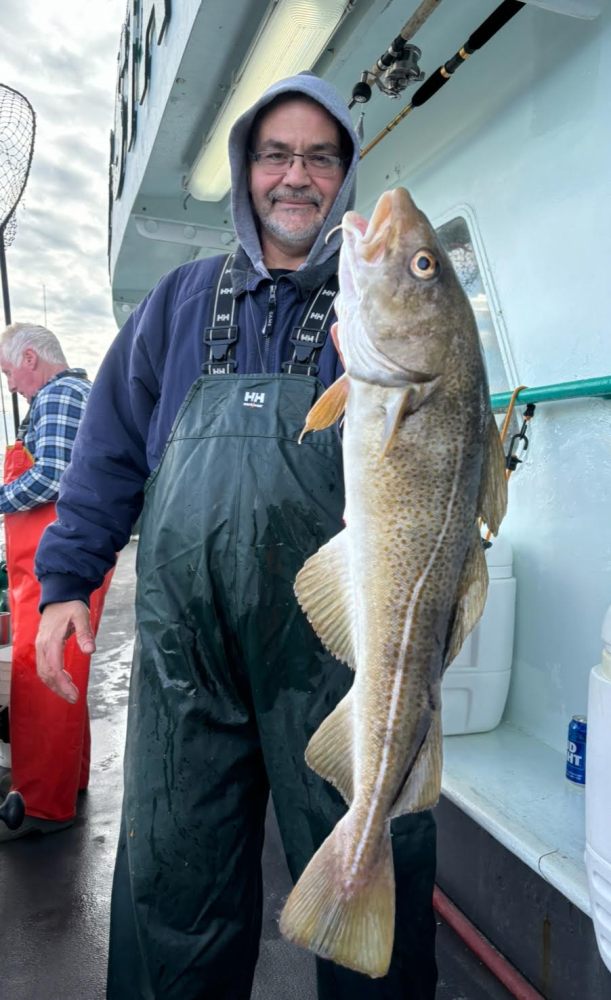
{"x": 17, "y": 337}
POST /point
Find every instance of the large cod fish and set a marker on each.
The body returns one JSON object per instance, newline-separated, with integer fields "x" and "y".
{"x": 396, "y": 592}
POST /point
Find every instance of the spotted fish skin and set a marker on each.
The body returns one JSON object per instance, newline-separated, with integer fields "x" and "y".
{"x": 396, "y": 592}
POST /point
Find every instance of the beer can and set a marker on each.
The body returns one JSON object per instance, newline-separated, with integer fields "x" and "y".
{"x": 576, "y": 750}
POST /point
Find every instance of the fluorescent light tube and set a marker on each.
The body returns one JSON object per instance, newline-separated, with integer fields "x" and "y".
{"x": 292, "y": 37}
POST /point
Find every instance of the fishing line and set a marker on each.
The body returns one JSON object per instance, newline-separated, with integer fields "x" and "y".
{"x": 331, "y": 231}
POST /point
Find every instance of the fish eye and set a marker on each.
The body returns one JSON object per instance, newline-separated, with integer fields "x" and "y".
{"x": 424, "y": 265}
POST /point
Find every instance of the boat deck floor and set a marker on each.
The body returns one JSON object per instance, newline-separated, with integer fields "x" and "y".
{"x": 55, "y": 890}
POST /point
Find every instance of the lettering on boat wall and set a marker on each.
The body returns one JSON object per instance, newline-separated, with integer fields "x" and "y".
{"x": 145, "y": 26}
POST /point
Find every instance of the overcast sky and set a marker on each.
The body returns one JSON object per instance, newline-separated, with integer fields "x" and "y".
{"x": 62, "y": 55}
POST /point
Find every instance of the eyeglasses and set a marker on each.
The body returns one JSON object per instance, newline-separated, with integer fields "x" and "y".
{"x": 274, "y": 161}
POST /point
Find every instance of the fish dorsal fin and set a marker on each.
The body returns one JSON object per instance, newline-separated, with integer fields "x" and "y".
{"x": 422, "y": 787}
{"x": 329, "y": 408}
{"x": 400, "y": 403}
{"x": 329, "y": 752}
{"x": 470, "y": 596}
{"x": 492, "y": 501}
{"x": 324, "y": 591}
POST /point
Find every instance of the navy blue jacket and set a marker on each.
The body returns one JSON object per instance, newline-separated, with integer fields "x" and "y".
{"x": 134, "y": 401}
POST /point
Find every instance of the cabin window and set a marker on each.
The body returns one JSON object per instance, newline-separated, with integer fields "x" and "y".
{"x": 457, "y": 242}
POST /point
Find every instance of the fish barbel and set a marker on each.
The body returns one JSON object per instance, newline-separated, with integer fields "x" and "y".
{"x": 396, "y": 592}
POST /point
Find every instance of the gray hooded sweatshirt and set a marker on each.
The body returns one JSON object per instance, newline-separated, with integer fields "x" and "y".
{"x": 321, "y": 253}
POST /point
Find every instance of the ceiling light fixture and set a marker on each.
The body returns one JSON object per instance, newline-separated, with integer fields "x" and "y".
{"x": 291, "y": 38}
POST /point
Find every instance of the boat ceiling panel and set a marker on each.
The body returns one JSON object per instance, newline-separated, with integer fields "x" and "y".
{"x": 515, "y": 61}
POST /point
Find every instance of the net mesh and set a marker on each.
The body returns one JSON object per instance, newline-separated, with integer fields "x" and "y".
{"x": 17, "y": 130}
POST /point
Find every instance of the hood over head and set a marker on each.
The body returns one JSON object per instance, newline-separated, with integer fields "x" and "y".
{"x": 243, "y": 219}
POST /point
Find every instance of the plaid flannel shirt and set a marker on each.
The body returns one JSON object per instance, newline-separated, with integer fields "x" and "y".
{"x": 54, "y": 416}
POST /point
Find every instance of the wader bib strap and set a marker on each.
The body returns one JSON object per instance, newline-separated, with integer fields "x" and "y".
{"x": 221, "y": 337}
{"x": 307, "y": 339}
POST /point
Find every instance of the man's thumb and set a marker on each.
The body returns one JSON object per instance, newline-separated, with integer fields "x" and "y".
{"x": 83, "y": 633}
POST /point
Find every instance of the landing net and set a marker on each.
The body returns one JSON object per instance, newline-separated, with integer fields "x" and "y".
{"x": 17, "y": 130}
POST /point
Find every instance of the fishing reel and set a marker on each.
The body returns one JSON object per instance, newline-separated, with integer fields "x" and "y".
{"x": 395, "y": 70}
{"x": 400, "y": 73}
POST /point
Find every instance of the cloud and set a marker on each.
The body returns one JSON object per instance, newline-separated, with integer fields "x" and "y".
{"x": 65, "y": 63}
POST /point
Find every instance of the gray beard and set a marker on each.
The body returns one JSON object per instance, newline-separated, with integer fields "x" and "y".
{"x": 295, "y": 237}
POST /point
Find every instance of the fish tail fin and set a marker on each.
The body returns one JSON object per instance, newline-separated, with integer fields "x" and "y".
{"x": 350, "y": 921}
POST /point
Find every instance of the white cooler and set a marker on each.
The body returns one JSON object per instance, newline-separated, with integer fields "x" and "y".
{"x": 475, "y": 686}
{"x": 598, "y": 796}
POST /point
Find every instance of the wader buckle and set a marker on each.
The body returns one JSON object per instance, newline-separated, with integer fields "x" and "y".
{"x": 219, "y": 340}
{"x": 307, "y": 342}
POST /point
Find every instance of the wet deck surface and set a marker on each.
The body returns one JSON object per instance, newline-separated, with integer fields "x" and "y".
{"x": 55, "y": 890}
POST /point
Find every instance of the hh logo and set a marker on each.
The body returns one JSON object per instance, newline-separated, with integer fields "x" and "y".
{"x": 254, "y": 399}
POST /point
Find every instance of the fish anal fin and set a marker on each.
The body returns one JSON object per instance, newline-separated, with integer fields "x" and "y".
{"x": 422, "y": 786}
{"x": 329, "y": 751}
{"x": 324, "y": 591}
{"x": 492, "y": 501}
{"x": 401, "y": 403}
{"x": 349, "y": 921}
{"x": 328, "y": 408}
{"x": 470, "y": 597}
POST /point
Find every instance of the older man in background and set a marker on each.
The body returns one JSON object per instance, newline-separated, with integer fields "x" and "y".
{"x": 50, "y": 740}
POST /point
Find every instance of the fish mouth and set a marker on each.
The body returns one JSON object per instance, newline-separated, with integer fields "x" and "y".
{"x": 394, "y": 215}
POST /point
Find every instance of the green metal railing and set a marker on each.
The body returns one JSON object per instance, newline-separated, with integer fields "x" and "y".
{"x": 557, "y": 391}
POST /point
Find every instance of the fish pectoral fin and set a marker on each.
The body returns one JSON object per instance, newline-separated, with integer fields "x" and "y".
{"x": 402, "y": 403}
{"x": 328, "y": 408}
{"x": 422, "y": 786}
{"x": 470, "y": 597}
{"x": 492, "y": 501}
{"x": 324, "y": 591}
{"x": 329, "y": 751}
{"x": 350, "y": 921}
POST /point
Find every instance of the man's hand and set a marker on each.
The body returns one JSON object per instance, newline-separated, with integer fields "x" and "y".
{"x": 335, "y": 336}
{"x": 58, "y": 622}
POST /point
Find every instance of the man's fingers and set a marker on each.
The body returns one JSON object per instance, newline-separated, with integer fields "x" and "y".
{"x": 85, "y": 639}
{"x": 335, "y": 335}
{"x": 57, "y": 623}
{"x": 63, "y": 685}
{"x": 50, "y": 666}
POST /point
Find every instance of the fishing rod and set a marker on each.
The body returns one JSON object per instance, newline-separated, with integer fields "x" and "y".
{"x": 497, "y": 20}
{"x": 398, "y": 66}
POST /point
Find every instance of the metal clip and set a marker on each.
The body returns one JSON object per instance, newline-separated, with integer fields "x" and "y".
{"x": 512, "y": 461}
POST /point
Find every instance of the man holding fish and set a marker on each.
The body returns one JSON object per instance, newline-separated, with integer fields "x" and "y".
{"x": 230, "y": 682}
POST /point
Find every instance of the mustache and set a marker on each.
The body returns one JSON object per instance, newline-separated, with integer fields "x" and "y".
{"x": 289, "y": 194}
